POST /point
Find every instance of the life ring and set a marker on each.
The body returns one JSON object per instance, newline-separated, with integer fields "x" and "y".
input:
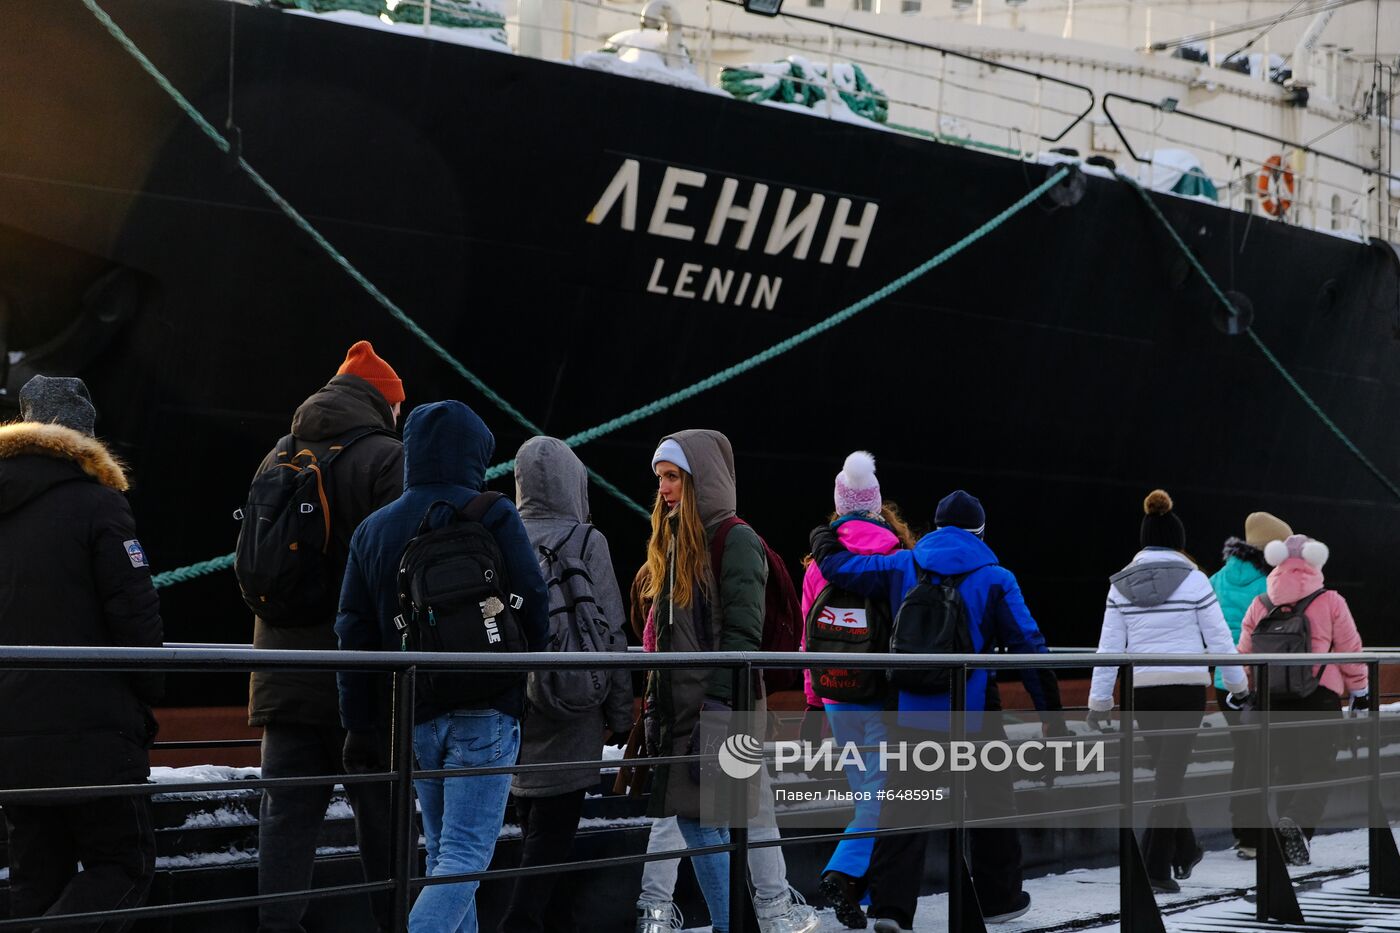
{"x": 1275, "y": 187}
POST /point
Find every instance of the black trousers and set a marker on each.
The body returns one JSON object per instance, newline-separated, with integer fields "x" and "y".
{"x": 547, "y": 826}
{"x": 112, "y": 838}
{"x": 289, "y": 823}
{"x": 1322, "y": 706}
{"x": 1169, "y": 840}
{"x": 1244, "y": 773}
{"x": 897, "y": 863}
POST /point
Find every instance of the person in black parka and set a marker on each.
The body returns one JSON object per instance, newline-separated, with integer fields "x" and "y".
{"x": 72, "y": 572}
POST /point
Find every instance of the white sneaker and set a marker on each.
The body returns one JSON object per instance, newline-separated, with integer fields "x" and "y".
{"x": 786, "y": 913}
{"x": 658, "y": 917}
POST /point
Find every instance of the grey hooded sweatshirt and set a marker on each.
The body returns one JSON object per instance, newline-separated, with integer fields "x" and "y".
{"x": 551, "y": 494}
{"x": 729, "y": 618}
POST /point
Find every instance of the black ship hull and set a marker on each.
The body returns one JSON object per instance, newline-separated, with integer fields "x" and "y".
{"x": 1059, "y": 368}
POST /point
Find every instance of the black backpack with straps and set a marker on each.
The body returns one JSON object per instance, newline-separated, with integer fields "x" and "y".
{"x": 845, "y": 622}
{"x": 1286, "y": 630}
{"x": 455, "y": 596}
{"x": 932, "y": 620}
{"x": 282, "y": 562}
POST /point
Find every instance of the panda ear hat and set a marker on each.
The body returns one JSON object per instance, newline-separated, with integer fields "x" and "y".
{"x": 1314, "y": 552}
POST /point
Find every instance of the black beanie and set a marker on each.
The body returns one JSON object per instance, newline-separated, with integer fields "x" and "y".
{"x": 1160, "y": 526}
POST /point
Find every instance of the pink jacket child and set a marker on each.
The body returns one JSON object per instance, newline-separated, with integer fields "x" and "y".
{"x": 860, "y": 536}
{"x": 1297, "y": 572}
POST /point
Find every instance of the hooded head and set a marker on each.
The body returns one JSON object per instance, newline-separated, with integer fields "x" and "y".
{"x": 550, "y": 481}
{"x": 446, "y": 443}
{"x": 710, "y": 462}
{"x": 1297, "y": 561}
{"x": 58, "y": 400}
{"x": 1160, "y": 525}
{"x": 857, "y": 489}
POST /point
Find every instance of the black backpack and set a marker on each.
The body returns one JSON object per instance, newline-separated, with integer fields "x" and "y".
{"x": 932, "y": 620}
{"x": 454, "y": 596}
{"x": 284, "y": 571}
{"x": 576, "y": 624}
{"x": 1286, "y": 630}
{"x": 842, "y": 621}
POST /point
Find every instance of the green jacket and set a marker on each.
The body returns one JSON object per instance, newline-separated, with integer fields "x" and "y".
{"x": 725, "y": 615}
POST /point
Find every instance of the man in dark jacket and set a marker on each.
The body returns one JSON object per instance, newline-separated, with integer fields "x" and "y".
{"x": 298, "y": 710}
{"x": 999, "y": 618}
{"x": 446, "y": 450}
{"x": 72, "y": 572}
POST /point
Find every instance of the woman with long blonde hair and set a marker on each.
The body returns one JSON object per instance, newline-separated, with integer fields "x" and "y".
{"x": 697, "y": 606}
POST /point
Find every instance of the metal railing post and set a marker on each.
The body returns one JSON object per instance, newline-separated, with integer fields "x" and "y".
{"x": 741, "y": 692}
{"x": 1127, "y": 840}
{"x": 404, "y": 841}
{"x": 957, "y": 835}
{"x": 1378, "y": 820}
{"x": 1264, "y": 851}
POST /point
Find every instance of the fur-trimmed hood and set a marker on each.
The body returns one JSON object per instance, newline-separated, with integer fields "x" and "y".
{"x": 35, "y": 457}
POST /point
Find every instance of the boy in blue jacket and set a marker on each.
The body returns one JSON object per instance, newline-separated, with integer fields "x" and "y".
{"x": 446, "y": 449}
{"x": 999, "y": 619}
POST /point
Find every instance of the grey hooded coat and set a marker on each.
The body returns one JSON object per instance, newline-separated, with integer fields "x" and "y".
{"x": 551, "y": 494}
{"x": 726, "y": 615}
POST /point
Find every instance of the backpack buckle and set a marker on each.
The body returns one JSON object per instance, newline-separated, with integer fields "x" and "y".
{"x": 238, "y": 515}
{"x": 516, "y": 601}
{"x": 399, "y": 623}
{"x": 307, "y": 508}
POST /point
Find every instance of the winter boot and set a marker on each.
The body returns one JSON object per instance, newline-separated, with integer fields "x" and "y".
{"x": 886, "y": 925}
{"x": 1295, "y": 844}
{"x": 786, "y": 913}
{"x": 658, "y": 917}
{"x": 843, "y": 893}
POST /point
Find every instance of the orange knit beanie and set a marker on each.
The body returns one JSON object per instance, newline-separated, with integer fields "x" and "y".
{"x": 362, "y": 361}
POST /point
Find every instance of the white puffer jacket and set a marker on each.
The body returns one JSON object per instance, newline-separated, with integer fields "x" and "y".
{"x": 1161, "y": 604}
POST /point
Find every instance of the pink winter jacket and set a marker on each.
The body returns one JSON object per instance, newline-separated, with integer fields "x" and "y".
{"x": 1329, "y": 620}
{"x": 859, "y": 537}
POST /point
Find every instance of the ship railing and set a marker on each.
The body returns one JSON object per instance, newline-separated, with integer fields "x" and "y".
{"x": 1330, "y": 192}
{"x": 1137, "y": 909}
{"x": 947, "y": 101}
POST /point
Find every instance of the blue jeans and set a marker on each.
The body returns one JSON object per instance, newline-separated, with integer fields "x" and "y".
{"x": 862, "y": 725}
{"x": 712, "y": 871}
{"x": 461, "y": 816}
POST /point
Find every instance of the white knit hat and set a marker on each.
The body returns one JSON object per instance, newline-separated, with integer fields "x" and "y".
{"x": 670, "y": 451}
{"x": 857, "y": 489}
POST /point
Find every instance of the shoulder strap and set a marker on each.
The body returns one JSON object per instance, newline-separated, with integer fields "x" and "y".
{"x": 817, "y": 604}
{"x": 1303, "y": 604}
{"x": 558, "y": 549}
{"x": 921, "y": 574}
{"x": 717, "y": 544}
{"x": 587, "y": 536}
{"x": 1267, "y": 603}
{"x": 475, "y": 510}
{"x": 343, "y": 442}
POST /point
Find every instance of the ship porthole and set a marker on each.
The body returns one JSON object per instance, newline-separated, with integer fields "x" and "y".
{"x": 1233, "y": 324}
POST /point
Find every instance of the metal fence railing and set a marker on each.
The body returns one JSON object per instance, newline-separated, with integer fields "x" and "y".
{"x": 1137, "y": 908}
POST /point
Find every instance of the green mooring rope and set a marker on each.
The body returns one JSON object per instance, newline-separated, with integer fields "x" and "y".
{"x": 1262, "y": 347}
{"x": 801, "y": 337}
{"x": 296, "y": 217}
{"x": 224, "y": 562}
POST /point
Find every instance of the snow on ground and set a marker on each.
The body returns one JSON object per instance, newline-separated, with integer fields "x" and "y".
{"x": 1077, "y": 898}
{"x": 648, "y": 67}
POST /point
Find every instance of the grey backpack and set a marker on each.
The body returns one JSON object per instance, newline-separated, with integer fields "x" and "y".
{"x": 576, "y": 623}
{"x": 1285, "y": 630}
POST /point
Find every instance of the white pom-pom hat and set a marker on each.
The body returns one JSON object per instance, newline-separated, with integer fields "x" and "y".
{"x": 1314, "y": 552}
{"x": 857, "y": 489}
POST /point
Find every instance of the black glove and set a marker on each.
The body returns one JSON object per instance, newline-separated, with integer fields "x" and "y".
{"x": 651, "y": 728}
{"x": 1099, "y": 720}
{"x": 1360, "y": 704}
{"x": 1240, "y": 702}
{"x": 706, "y": 742}
{"x": 824, "y": 543}
{"x": 362, "y": 753}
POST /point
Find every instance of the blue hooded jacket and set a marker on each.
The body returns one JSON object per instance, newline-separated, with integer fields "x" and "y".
{"x": 446, "y": 449}
{"x": 993, "y": 598}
